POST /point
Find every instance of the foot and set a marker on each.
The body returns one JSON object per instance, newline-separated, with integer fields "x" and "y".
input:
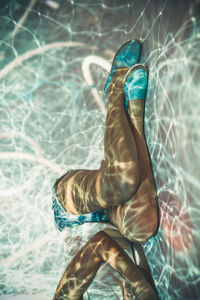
{"x": 135, "y": 84}
{"x": 127, "y": 56}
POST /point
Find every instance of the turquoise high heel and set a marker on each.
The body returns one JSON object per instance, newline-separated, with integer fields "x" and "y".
{"x": 135, "y": 83}
{"x": 127, "y": 56}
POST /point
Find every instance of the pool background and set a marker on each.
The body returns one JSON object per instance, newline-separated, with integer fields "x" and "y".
{"x": 55, "y": 57}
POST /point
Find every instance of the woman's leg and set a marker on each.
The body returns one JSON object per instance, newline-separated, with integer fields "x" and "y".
{"x": 81, "y": 270}
{"x": 84, "y": 191}
{"x": 137, "y": 219}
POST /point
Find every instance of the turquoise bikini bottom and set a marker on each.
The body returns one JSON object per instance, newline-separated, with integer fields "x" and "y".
{"x": 65, "y": 219}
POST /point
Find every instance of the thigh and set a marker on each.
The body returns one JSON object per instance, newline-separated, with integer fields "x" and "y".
{"x": 137, "y": 218}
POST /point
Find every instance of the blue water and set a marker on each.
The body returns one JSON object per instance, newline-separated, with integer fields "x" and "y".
{"x": 51, "y": 121}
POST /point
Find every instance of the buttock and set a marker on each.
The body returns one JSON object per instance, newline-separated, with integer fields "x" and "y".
{"x": 65, "y": 219}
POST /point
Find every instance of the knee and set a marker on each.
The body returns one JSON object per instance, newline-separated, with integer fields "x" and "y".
{"x": 128, "y": 180}
{"x": 120, "y": 191}
{"x": 118, "y": 183}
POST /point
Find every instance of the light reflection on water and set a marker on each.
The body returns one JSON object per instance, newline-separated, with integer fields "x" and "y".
{"x": 51, "y": 121}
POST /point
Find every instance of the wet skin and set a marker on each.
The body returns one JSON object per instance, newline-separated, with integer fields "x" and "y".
{"x": 81, "y": 270}
{"x": 124, "y": 185}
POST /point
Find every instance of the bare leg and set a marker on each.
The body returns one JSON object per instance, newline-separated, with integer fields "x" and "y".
{"x": 143, "y": 263}
{"x": 84, "y": 191}
{"x": 81, "y": 270}
{"x": 137, "y": 219}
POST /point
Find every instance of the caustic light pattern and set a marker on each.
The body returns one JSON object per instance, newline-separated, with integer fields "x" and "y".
{"x": 55, "y": 57}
